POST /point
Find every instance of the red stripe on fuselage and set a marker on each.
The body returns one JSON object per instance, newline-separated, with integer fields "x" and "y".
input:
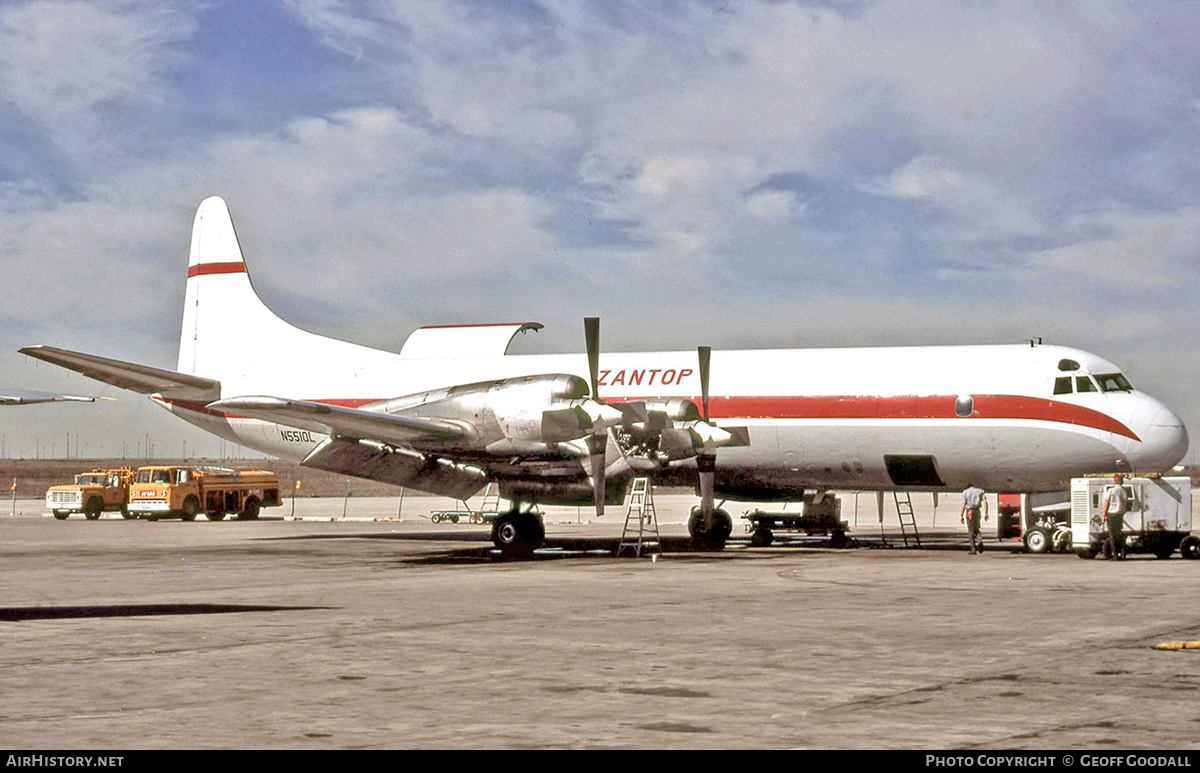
{"x": 204, "y": 269}
{"x": 912, "y": 407}
{"x": 834, "y": 407}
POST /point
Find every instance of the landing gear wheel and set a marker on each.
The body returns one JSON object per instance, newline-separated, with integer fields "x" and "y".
{"x": 1037, "y": 540}
{"x": 1190, "y": 547}
{"x": 711, "y": 540}
{"x": 517, "y": 534}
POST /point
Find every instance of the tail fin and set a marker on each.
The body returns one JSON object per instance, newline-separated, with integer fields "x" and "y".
{"x": 228, "y": 332}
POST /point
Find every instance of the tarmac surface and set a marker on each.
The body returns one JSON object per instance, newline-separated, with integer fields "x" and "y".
{"x": 329, "y": 629}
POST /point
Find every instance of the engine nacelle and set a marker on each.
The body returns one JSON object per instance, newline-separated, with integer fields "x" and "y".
{"x": 528, "y": 413}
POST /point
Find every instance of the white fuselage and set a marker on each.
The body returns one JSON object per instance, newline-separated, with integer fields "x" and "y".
{"x": 826, "y": 418}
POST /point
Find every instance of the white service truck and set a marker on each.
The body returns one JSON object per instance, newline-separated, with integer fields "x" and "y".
{"x": 1159, "y": 520}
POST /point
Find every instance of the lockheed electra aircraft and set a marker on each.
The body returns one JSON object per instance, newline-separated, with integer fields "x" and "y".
{"x": 452, "y": 411}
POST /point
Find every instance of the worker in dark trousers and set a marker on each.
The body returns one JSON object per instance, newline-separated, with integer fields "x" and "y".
{"x": 1116, "y": 504}
{"x": 974, "y": 503}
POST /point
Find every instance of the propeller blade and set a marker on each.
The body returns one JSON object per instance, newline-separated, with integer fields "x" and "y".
{"x": 591, "y": 334}
{"x": 708, "y": 473}
{"x": 596, "y": 448}
{"x": 705, "y": 353}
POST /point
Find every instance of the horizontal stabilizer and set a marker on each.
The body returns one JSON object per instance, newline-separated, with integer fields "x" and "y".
{"x": 396, "y": 466}
{"x": 128, "y": 375}
{"x": 342, "y": 421}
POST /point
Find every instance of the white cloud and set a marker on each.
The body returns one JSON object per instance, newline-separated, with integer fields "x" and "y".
{"x": 1128, "y": 251}
{"x": 751, "y": 171}
{"x": 64, "y": 65}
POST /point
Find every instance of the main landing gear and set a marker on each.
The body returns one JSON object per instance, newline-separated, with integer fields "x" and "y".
{"x": 518, "y": 533}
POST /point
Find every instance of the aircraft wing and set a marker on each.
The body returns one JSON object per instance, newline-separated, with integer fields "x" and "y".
{"x": 127, "y": 375}
{"x": 372, "y": 444}
{"x": 345, "y": 422}
{"x": 15, "y": 397}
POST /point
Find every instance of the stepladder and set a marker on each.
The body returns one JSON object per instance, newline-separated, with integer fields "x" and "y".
{"x": 640, "y": 534}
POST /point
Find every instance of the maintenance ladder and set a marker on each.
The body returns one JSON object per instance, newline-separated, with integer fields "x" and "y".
{"x": 904, "y": 510}
{"x": 641, "y": 524}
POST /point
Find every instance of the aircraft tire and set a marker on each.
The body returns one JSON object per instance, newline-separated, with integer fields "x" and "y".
{"x": 517, "y": 535}
{"x": 710, "y": 540}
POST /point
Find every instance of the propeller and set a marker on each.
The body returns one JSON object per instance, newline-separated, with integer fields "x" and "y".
{"x": 597, "y": 441}
{"x": 706, "y": 459}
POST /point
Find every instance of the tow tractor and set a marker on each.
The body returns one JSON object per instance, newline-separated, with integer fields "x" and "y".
{"x": 817, "y": 515}
{"x": 1159, "y": 519}
{"x": 1045, "y": 521}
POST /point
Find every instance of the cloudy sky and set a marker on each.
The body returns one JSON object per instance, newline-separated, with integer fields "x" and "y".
{"x": 735, "y": 173}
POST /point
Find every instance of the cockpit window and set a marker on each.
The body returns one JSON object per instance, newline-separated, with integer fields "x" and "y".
{"x": 1062, "y": 385}
{"x": 1114, "y": 382}
{"x": 1068, "y": 365}
{"x": 1084, "y": 384}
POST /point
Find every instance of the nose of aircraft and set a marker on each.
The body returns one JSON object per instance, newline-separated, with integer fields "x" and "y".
{"x": 1164, "y": 440}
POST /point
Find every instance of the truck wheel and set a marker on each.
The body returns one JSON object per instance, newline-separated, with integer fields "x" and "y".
{"x": 761, "y": 538}
{"x": 1190, "y": 547}
{"x": 126, "y": 514}
{"x": 93, "y": 509}
{"x": 61, "y": 514}
{"x": 435, "y": 518}
{"x": 216, "y": 516}
{"x": 250, "y": 512}
{"x": 1037, "y": 541}
{"x": 190, "y": 508}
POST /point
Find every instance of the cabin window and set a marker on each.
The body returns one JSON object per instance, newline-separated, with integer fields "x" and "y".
{"x": 964, "y": 406}
{"x": 1062, "y": 385}
{"x": 1114, "y": 382}
{"x": 1068, "y": 365}
{"x": 1084, "y": 384}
